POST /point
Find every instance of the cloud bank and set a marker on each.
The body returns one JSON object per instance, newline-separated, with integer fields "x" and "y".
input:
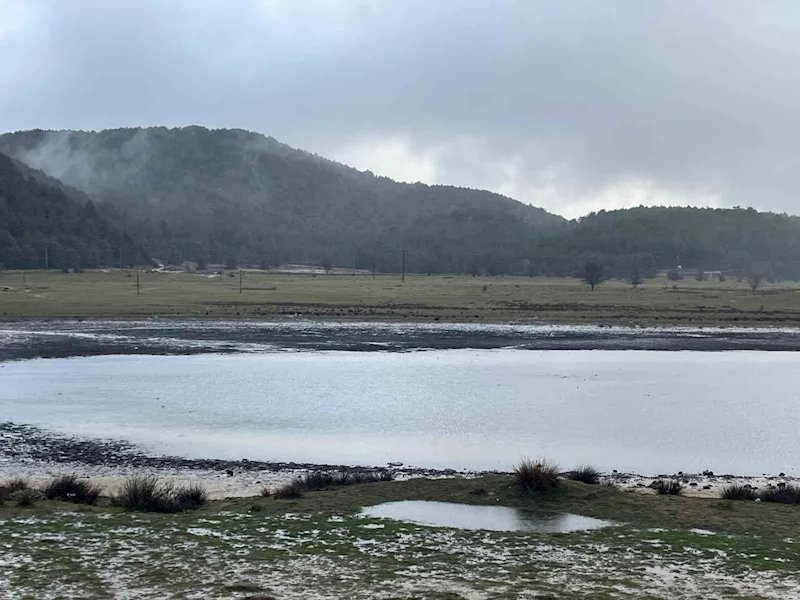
{"x": 572, "y": 106}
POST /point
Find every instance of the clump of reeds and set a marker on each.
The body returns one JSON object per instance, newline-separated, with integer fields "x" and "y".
{"x": 668, "y": 487}
{"x": 71, "y": 489}
{"x": 538, "y": 474}
{"x": 586, "y": 474}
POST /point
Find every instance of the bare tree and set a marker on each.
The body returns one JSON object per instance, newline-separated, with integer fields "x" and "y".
{"x": 593, "y": 273}
{"x": 754, "y": 280}
{"x": 636, "y": 278}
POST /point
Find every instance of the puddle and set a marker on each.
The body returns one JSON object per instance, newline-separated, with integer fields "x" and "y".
{"x": 492, "y": 518}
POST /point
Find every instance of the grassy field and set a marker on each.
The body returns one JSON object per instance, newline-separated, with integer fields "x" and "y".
{"x": 420, "y": 297}
{"x": 318, "y": 547}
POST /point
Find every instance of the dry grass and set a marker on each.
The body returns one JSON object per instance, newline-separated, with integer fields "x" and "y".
{"x": 95, "y": 293}
{"x": 738, "y": 491}
{"x": 585, "y": 474}
{"x": 538, "y": 474}
{"x": 668, "y": 487}
{"x": 71, "y": 489}
{"x": 149, "y": 494}
{"x": 290, "y": 490}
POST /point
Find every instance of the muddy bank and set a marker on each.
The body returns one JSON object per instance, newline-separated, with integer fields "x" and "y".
{"x": 22, "y": 445}
{"x": 38, "y": 454}
{"x": 21, "y": 339}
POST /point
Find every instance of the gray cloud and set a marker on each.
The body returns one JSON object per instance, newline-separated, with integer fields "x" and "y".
{"x": 573, "y": 105}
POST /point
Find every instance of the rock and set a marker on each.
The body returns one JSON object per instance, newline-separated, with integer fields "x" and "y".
{"x": 782, "y": 485}
{"x": 781, "y": 474}
{"x": 708, "y": 473}
{"x": 693, "y": 484}
{"x": 706, "y": 487}
{"x": 757, "y": 500}
{"x": 653, "y": 485}
{"x": 229, "y": 472}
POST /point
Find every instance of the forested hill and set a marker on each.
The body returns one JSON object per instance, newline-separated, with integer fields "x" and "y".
{"x": 239, "y": 197}
{"x": 648, "y": 238}
{"x": 35, "y": 216}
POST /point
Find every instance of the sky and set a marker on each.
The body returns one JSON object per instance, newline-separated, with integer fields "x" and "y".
{"x": 571, "y": 105}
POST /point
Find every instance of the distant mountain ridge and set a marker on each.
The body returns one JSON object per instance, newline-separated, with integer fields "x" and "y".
{"x": 240, "y": 197}
{"x": 41, "y": 224}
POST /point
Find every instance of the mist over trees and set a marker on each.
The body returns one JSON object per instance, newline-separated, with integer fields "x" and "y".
{"x": 39, "y": 222}
{"x": 231, "y": 195}
{"x": 239, "y": 198}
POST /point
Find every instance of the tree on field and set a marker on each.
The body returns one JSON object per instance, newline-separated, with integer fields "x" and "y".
{"x": 635, "y": 278}
{"x": 593, "y": 273}
{"x": 754, "y": 280}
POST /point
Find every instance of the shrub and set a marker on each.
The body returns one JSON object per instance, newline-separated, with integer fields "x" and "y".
{"x": 586, "y": 474}
{"x": 738, "y": 491}
{"x": 266, "y": 491}
{"x": 71, "y": 489}
{"x": 191, "y": 497}
{"x": 16, "y": 484}
{"x": 146, "y": 494}
{"x": 539, "y": 474}
{"x": 668, "y": 487}
{"x": 290, "y": 490}
{"x": 26, "y": 496}
{"x": 789, "y": 494}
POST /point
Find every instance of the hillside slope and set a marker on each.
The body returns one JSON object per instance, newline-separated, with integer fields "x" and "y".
{"x": 38, "y": 220}
{"x": 732, "y": 239}
{"x": 235, "y": 196}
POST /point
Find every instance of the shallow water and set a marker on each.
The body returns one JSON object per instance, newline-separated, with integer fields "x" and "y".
{"x": 491, "y": 518}
{"x": 649, "y": 412}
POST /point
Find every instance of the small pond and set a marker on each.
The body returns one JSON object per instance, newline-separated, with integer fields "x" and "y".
{"x": 491, "y": 518}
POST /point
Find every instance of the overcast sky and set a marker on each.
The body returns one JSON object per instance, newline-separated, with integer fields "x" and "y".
{"x": 571, "y": 105}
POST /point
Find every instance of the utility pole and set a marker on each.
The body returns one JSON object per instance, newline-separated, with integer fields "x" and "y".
{"x": 403, "y": 276}
{"x": 137, "y": 282}
{"x": 240, "y": 280}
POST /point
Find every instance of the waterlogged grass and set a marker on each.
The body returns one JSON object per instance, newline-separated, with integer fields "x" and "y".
{"x": 317, "y": 547}
{"x": 419, "y": 297}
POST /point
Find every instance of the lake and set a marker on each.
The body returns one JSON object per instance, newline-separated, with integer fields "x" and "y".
{"x": 641, "y": 411}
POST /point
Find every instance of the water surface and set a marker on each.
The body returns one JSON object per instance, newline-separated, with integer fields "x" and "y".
{"x": 491, "y": 518}
{"x": 649, "y": 412}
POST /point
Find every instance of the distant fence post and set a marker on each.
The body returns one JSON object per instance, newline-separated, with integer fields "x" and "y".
{"x": 137, "y": 282}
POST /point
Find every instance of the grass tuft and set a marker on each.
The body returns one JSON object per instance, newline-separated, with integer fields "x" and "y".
{"x": 738, "y": 491}
{"x": 16, "y": 484}
{"x": 145, "y": 494}
{"x": 536, "y": 474}
{"x": 790, "y": 494}
{"x": 71, "y": 489}
{"x": 266, "y": 492}
{"x": 148, "y": 494}
{"x": 26, "y": 497}
{"x": 586, "y": 474}
{"x": 290, "y": 490}
{"x": 668, "y": 487}
{"x": 323, "y": 480}
{"x": 191, "y": 497}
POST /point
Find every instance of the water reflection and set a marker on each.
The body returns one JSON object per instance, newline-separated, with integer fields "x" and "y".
{"x": 492, "y": 518}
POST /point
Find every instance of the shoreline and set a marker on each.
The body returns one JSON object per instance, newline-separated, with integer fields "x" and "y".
{"x": 62, "y": 338}
{"x": 38, "y": 455}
